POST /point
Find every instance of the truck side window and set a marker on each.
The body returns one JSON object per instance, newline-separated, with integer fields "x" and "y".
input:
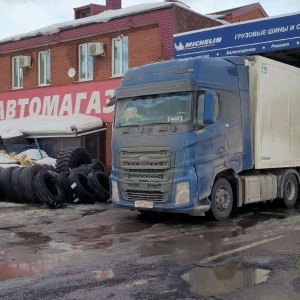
{"x": 229, "y": 107}
{"x": 200, "y": 112}
{"x": 212, "y": 105}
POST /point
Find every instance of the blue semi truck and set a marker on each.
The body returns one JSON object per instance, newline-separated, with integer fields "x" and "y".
{"x": 203, "y": 134}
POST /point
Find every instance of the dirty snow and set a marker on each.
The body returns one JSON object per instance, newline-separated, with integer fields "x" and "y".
{"x": 33, "y": 154}
{"x": 50, "y": 124}
{"x": 99, "y": 18}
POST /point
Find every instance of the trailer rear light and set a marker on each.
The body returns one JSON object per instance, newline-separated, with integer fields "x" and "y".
{"x": 182, "y": 193}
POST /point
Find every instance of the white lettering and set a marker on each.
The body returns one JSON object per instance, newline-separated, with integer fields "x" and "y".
{"x": 108, "y": 95}
{"x": 35, "y": 106}
{"x": 94, "y": 103}
{"x": 66, "y": 106}
{"x": 50, "y": 106}
{"x": 1, "y": 110}
{"x": 79, "y": 98}
{"x": 11, "y": 109}
{"x": 22, "y": 103}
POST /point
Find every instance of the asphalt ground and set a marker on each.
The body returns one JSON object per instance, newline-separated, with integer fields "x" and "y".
{"x": 102, "y": 252}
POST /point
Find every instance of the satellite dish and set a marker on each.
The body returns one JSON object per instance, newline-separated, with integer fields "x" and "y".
{"x": 71, "y": 72}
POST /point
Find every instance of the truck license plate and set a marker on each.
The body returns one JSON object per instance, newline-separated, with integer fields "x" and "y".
{"x": 143, "y": 204}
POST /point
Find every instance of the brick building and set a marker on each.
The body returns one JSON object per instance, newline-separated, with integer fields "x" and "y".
{"x": 73, "y": 67}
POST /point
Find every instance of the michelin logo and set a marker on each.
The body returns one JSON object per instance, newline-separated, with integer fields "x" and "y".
{"x": 197, "y": 44}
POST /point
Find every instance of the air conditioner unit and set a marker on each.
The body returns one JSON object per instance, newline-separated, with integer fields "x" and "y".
{"x": 24, "y": 61}
{"x": 96, "y": 49}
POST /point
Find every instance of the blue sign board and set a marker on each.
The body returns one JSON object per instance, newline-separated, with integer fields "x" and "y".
{"x": 258, "y": 36}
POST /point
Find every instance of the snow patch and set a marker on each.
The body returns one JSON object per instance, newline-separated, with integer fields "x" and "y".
{"x": 6, "y": 159}
{"x": 50, "y": 124}
{"x": 10, "y": 133}
{"x": 47, "y": 161}
{"x": 100, "y": 18}
{"x": 33, "y": 154}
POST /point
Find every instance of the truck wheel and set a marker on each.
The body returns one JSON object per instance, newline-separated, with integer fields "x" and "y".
{"x": 290, "y": 190}
{"x": 221, "y": 199}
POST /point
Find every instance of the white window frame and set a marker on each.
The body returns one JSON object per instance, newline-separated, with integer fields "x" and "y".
{"x": 86, "y": 77}
{"x": 121, "y": 73}
{"x": 47, "y": 68}
{"x": 19, "y": 75}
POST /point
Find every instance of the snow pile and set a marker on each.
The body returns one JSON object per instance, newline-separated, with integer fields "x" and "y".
{"x": 100, "y": 18}
{"x": 6, "y": 159}
{"x": 33, "y": 154}
{"x": 35, "y": 125}
{"x": 11, "y": 133}
{"x": 47, "y": 161}
{"x": 9, "y": 165}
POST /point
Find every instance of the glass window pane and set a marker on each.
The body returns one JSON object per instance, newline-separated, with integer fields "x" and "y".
{"x": 42, "y": 68}
{"x": 48, "y": 69}
{"x": 15, "y": 73}
{"x": 90, "y": 67}
{"x": 125, "y": 54}
{"x": 83, "y": 61}
{"x": 117, "y": 57}
{"x": 20, "y": 77}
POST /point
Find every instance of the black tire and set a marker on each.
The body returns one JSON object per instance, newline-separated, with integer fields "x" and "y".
{"x": 48, "y": 189}
{"x": 290, "y": 190}
{"x": 221, "y": 199}
{"x": 16, "y": 185}
{"x": 26, "y": 178}
{"x": 87, "y": 168}
{"x": 71, "y": 158}
{"x": 99, "y": 182}
{"x": 63, "y": 179}
{"x": 82, "y": 192}
{"x": 6, "y": 184}
{"x": 99, "y": 162}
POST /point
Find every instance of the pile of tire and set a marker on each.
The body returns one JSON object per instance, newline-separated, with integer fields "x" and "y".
{"x": 75, "y": 179}
{"x": 34, "y": 184}
{"x": 84, "y": 180}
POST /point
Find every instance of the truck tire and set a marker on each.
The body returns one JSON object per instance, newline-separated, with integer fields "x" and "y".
{"x": 99, "y": 183}
{"x": 72, "y": 157}
{"x": 48, "y": 189}
{"x": 290, "y": 190}
{"x": 221, "y": 199}
{"x": 15, "y": 181}
{"x": 6, "y": 184}
{"x": 26, "y": 178}
{"x": 63, "y": 179}
{"x": 87, "y": 168}
{"x": 82, "y": 192}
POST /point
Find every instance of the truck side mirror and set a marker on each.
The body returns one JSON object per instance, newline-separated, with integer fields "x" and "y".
{"x": 111, "y": 101}
{"x": 211, "y": 108}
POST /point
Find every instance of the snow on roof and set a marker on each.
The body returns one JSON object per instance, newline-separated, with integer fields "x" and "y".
{"x": 99, "y": 18}
{"x": 40, "y": 125}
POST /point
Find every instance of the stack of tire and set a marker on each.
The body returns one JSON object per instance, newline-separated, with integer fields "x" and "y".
{"x": 84, "y": 180}
{"x": 34, "y": 184}
{"x": 76, "y": 179}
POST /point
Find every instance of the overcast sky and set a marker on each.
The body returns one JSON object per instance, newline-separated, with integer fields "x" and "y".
{"x": 21, "y": 16}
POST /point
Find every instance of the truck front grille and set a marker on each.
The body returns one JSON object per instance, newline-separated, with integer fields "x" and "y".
{"x": 146, "y": 173}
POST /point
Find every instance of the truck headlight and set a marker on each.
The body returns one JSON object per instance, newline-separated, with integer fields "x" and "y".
{"x": 182, "y": 193}
{"x": 114, "y": 191}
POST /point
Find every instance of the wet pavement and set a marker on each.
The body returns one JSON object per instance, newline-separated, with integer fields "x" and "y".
{"x": 101, "y": 252}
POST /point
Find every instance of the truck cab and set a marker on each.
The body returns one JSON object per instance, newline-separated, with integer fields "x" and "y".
{"x": 179, "y": 125}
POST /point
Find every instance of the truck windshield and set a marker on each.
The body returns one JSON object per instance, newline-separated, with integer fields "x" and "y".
{"x": 151, "y": 109}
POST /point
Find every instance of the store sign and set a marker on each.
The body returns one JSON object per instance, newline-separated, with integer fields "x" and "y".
{"x": 258, "y": 36}
{"x": 85, "y": 98}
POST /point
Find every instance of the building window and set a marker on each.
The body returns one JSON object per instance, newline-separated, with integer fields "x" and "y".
{"x": 85, "y": 63}
{"x": 17, "y": 74}
{"x": 120, "y": 55}
{"x": 44, "y": 68}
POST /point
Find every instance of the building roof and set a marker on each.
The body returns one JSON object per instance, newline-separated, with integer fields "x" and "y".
{"x": 238, "y": 11}
{"x": 103, "y": 17}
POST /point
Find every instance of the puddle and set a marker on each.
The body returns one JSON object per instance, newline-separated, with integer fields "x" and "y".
{"x": 32, "y": 239}
{"x": 209, "y": 242}
{"x": 104, "y": 274}
{"x": 40, "y": 265}
{"x": 208, "y": 282}
{"x": 93, "y": 212}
